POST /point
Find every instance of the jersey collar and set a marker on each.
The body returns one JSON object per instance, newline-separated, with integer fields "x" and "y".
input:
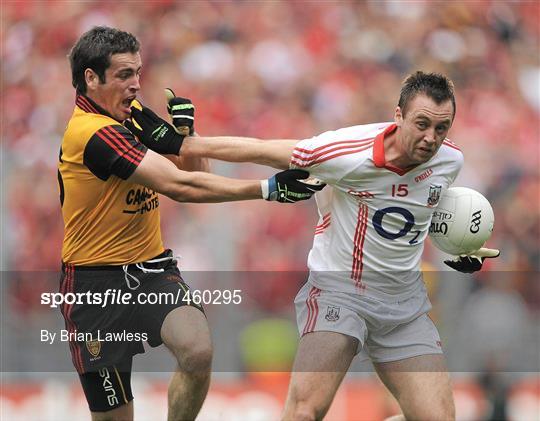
{"x": 89, "y": 106}
{"x": 378, "y": 151}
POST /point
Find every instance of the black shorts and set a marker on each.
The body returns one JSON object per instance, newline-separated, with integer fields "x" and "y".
{"x": 107, "y": 335}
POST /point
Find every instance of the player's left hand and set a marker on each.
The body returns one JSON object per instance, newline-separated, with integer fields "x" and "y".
{"x": 472, "y": 262}
{"x": 182, "y": 112}
{"x": 154, "y": 132}
{"x": 286, "y": 187}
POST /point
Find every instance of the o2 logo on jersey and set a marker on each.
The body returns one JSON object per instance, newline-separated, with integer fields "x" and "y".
{"x": 379, "y": 216}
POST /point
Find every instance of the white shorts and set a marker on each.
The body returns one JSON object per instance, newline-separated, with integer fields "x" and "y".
{"x": 386, "y": 331}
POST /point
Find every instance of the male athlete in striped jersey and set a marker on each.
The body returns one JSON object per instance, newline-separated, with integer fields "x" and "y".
{"x": 109, "y": 184}
{"x": 365, "y": 291}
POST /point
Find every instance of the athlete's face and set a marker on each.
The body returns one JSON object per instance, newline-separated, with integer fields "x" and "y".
{"x": 120, "y": 87}
{"x": 423, "y": 128}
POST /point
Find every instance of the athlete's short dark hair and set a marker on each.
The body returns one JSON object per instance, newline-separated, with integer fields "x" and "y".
{"x": 93, "y": 51}
{"x": 434, "y": 85}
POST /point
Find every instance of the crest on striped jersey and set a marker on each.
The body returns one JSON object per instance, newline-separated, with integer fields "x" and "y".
{"x": 434, "y": 195}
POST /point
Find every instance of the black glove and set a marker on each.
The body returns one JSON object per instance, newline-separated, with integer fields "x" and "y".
{"x": 472, "y": 262}
{"x": 284, "y": 187}
{"x": 182, "y": 112}
{"x": 156, "y": 133}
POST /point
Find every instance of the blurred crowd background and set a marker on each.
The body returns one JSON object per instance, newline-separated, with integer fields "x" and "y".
{"x": 294, "y": 69}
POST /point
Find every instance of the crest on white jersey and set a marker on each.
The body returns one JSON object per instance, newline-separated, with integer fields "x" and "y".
{"x": 434, "y": 195}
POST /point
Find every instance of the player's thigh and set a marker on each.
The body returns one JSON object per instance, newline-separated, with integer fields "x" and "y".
{"x": 421, "y": 385}
{"x": 331, "y": 331}
{"x": 185, "y": 332}
{"x": 180, "y": 323}
{"x": 321, "y": 361}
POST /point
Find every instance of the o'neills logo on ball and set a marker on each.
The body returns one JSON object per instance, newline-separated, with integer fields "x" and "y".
{"x": 93, "y": 347}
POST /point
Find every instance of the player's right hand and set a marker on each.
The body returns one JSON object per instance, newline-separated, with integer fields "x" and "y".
{"x": 154, "y": 132}
{"x": 182, "y": 112}
{"x": 472, "y": 262}
{"x": 286, "y": 187}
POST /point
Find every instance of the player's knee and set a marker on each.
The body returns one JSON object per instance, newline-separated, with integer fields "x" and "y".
{"x": 196, "y": 358}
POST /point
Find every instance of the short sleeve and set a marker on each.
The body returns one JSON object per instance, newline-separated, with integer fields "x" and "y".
{"x": 456, "y": 159}
{"x": 458, "y": 165}
{"x": 113, "y": 150}
{"x": 329, "y": 156}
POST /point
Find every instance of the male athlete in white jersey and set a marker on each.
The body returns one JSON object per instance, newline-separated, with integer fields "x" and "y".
{"x": 365, "y": 291}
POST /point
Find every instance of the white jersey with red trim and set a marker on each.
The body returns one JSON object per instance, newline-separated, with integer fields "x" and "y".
{"x": 373, "y": 217}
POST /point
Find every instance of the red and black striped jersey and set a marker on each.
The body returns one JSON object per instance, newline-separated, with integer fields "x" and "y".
{"x": 107, "y": 220}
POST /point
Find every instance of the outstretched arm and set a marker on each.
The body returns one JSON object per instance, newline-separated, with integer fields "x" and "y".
{"x": 159, "y": 174}
{"x": 272, "y": 153}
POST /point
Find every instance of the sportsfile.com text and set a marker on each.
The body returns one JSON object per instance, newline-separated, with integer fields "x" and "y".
{"x": 116, "y": 296}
